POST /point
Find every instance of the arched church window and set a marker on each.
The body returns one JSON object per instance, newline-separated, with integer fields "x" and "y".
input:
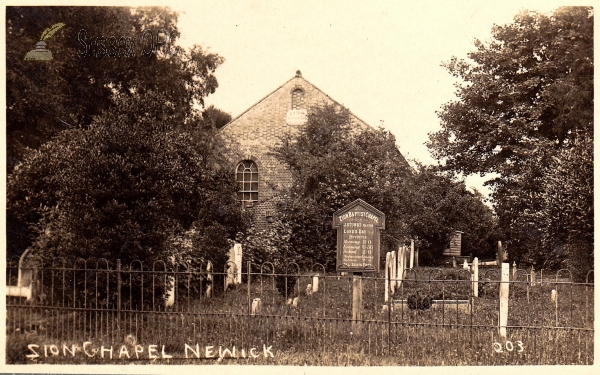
{"x": 298, "y": 99}
{"x": 247, "y": 178}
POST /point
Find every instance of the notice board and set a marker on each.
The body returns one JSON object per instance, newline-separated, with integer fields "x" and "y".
{"x": 358, "y": 225}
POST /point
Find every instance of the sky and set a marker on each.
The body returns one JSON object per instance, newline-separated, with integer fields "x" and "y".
{"x": 380, "y": 59}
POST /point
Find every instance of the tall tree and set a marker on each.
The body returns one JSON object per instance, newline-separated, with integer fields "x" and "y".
{"x": 218, "y": 117}
{"x": 46, "y": 97}
{"x": 525, "y": 96}
{"x": 437, "y": 205}
{"x": 335, "y": 162}
{"x": 127, "y": 187}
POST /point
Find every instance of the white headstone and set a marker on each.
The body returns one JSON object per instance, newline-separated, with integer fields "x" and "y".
{"x": 295, "y": 302}
{"x": 170, "y": 292}
{"x": 553, "y": 295}
{"x": 465, "y": 265}
{"x": 25, "y": 273}
{"x": 256, "y": 306}
{"x": 401, "y": 264}
{"x": 412, "y": 254}
{"x": 234, "y": 266}
{"x": 209, "y": 279}
{"x": 24, "y": 286}
{"x": 237, "y": 250}
{"x": 230, "y": 278}
{"x": 315, "y": 284}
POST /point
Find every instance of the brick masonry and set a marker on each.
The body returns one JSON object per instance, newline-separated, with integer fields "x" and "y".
{"x": 257, "y": 130}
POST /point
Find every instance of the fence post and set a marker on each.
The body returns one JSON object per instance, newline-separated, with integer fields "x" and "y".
{"x": 504, "y": 286}
{"x": 390, "y": 307}
{"x": 118, "y": 294}
{"x": 248, "y": 282}
{"x": 395, "y": 258}
{"x": 356, "y": 301}
{"x": 476, "y": 277}
{"x": 388, "y": 259}
{"x": 412, "y": 254}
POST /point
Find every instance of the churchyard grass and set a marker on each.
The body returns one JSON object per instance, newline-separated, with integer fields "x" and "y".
{"x": 319, "y": 330}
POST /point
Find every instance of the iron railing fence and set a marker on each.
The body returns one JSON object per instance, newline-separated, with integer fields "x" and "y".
{"x": 431, "y": 312}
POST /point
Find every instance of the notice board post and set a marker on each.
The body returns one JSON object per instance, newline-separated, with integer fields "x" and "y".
{"x": 358, "y": 225}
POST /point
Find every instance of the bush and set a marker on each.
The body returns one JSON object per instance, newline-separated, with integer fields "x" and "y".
{"x": 132, "y": 186}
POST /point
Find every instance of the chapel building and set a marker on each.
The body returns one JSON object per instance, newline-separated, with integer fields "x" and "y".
{"x": 261, "y": 176}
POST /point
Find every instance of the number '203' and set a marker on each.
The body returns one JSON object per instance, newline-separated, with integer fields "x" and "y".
{"x": 509, "y": 347}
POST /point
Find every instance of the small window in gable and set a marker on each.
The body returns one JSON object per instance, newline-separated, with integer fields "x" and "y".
{"x": 247, "y": 178}
{"x": 298, "y": 99}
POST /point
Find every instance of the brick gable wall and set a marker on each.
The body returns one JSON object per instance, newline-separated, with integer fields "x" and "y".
{"x": 260, "y": 128}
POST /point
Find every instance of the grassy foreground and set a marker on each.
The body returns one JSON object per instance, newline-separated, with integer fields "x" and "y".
{"x": 319, "y": 330}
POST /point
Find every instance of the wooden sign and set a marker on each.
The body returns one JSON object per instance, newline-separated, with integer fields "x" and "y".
{"x": 358, "y": 226}
{"x": 455, "y": 244}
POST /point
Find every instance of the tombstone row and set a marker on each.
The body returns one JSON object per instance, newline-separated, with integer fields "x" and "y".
{"x": 395, "y": 264}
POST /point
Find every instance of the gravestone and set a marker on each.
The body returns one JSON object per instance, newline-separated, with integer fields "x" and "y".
{"x": 308, "y": 291}
{"x": 256, "y": 306}
{"x": 170, "y": 301}
{"x": 25, "y": 278}
{"x": 234, "y": 266}
{"x": 402, "y": 250}
{"x": 501, "y": 254}
{"x": 237, "y": 249}
{"x": 358, "y": 225}
{"x": 209, "y": 279}
{"x": 412, "y": 244}
{"x": 388, "y": 274}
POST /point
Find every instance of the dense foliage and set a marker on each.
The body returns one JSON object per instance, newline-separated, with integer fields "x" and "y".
{"x": 218, "y": 117}
{"x": 437, "y": 205}
{"x": 335, "y": 161}
{"x": 45, "y": 98}
{"x": 129, "y": 187}
{"x": 524, "y": 108}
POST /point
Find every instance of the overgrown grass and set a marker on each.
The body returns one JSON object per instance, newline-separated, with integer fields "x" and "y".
{"x": 319, "y": 330}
